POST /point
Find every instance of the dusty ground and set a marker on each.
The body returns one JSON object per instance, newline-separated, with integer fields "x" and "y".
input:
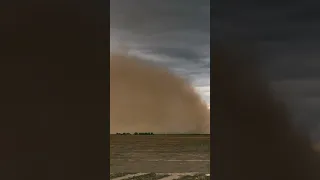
{"x": 160, "y": 153}
{"x": 159, "y": 176}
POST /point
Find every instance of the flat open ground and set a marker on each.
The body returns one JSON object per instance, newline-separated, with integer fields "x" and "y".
{"x": 160, "y": 153}
{"x": 159, "y": 176}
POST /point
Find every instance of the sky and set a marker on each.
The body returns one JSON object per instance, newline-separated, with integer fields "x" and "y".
{"x": 287, "y": 36}
{"x": 171, "y": 33}
{"x": 176, "y": 34}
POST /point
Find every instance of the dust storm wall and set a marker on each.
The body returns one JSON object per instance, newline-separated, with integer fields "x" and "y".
{"x": 147, "y": 98}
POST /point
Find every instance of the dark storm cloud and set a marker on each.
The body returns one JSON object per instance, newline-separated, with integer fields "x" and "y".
{"x": 149, "y": 16}
{"x": 294, "y": 60}
{"x": 174, "y": 34}
{"x": 301, "y": 88}
{"x": 286, "y": 34}
{"x": 178, "y": 53}
{"x": 276, "y": 21}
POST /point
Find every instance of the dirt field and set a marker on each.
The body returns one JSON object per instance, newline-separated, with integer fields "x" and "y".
{"x": 160, "y": 153}
{"x": 159, "y": 176}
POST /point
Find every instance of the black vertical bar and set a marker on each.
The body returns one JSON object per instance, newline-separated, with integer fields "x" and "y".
{"x": 54, "y": 90}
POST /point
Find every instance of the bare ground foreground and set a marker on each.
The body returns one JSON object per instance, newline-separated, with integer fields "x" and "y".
{"x": 159, "y": 153}
{"x": 159, "y": 176}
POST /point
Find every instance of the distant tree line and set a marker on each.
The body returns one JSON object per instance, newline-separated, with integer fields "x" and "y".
{"x": 123, "y": 134}
{"x": 136, "y": 133}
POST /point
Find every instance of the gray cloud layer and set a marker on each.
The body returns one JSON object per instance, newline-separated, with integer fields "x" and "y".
{"x": 286, "y": 34}
{"x": 174, "y": 34}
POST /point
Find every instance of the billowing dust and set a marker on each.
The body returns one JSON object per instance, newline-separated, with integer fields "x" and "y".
{"x": 147, "y": 98}
{"x": 253, "y": 135}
